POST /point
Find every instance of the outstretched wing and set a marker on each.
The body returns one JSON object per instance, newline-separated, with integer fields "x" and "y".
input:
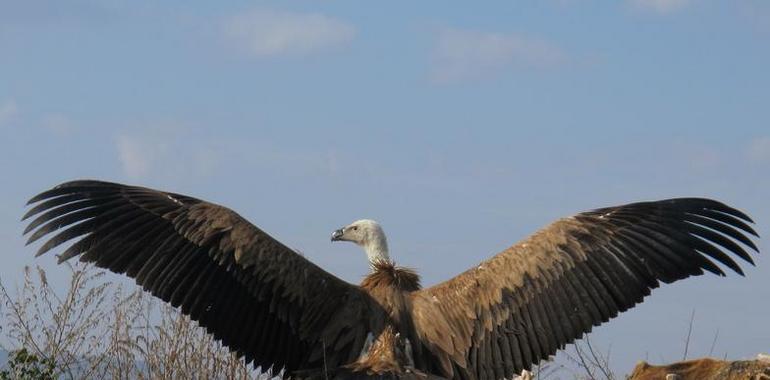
{"x": 535, "y": 297}
{"x": 257, "y": 296}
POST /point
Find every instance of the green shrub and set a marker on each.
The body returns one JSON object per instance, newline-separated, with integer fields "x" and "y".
{"x": 23, "y": 365}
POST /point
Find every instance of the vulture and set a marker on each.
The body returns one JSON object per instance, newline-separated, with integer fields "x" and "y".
{"x": 279, "y": 311}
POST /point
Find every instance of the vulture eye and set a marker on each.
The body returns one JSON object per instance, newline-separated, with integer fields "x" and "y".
{"x": 355, "y": 228}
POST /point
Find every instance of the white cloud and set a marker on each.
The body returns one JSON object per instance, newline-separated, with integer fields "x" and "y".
{"x": 137, "y": 156}
{"x": 660, "y": 6}
{"x": 463, "y": 54}
{"x": 759, "y": 149}
{"x": 8, "y": 110}
{"x": 270, "y": 33}
{"x": 166, "y": 151}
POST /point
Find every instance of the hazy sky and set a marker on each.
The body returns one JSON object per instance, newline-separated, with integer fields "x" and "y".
{"x": 461, "y": 129}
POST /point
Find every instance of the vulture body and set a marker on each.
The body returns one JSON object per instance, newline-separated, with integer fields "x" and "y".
{"x": 280, "y": 311}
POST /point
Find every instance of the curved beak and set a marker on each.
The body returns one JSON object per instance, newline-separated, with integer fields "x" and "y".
{"x": 337, "y": 235}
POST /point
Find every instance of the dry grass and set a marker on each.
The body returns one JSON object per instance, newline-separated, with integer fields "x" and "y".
{"x": 589, "y": 362}
{"x": 582, "y": 361}
{"x": 95, "y": 329}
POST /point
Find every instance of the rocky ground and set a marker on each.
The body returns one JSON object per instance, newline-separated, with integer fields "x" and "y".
{"x": 706, "y": 369}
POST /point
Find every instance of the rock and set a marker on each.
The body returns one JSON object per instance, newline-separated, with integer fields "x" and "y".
{"x": 705, "y": 369}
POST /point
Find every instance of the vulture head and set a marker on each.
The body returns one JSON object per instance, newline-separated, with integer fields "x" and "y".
{"x": 368, "y": 235}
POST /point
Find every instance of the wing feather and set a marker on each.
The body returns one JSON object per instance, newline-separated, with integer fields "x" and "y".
{"x": 264, "y": 301}
{"x": 535, "y": 297}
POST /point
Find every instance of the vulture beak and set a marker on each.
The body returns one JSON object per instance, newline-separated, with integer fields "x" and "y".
{"x": 337, "y": 235}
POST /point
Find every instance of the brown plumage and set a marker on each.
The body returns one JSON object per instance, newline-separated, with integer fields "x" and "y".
{"x": 281, "y": 311}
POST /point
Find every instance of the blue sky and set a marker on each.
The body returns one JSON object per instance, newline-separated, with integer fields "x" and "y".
{"x": 461, "y": 129}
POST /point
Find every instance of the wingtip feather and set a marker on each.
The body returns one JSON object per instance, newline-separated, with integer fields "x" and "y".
{"x": 41, "y": 251}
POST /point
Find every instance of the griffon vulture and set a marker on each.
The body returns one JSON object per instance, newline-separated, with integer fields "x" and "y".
{"x": 280, "y": 311}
